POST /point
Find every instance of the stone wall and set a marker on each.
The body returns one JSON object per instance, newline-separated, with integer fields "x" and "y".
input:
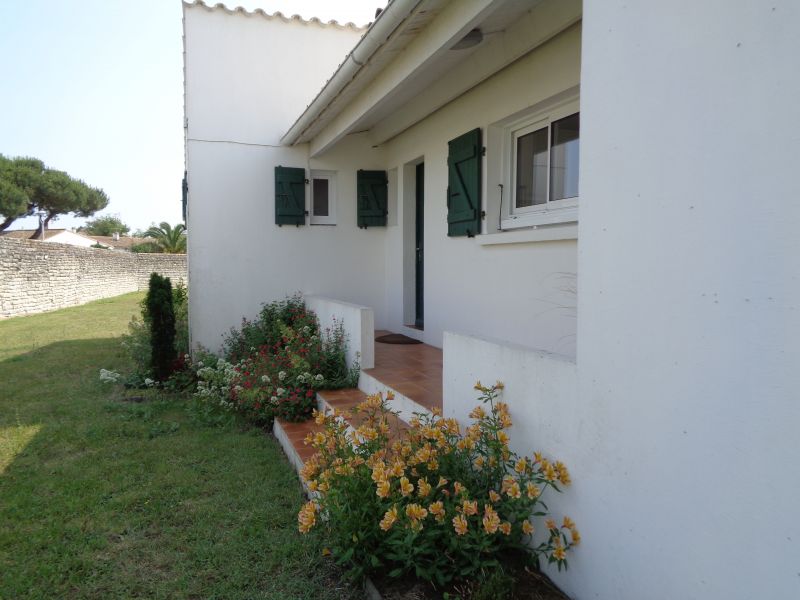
{"x": 40, "y": 276}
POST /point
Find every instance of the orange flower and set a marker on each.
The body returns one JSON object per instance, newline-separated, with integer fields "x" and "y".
{"x": 576, "y": 537}
{"x": 563, "y": 474}
{"x": 491, "y": 521}
{"x": 479, "y": 463}
{"x": 494, "y": 496}
{"x": 513, "y": 490}
{"x": 527, "y": 528}
{"x": 307, "y": 517}
{"x": 423, "y": 487}
{"x": 389, "y": 518}
{"x": 568, "y": 523}
{"x": 505, "y": 528}
{"x": 383, "y": 489}
{"x": 405, "y": 486}
{"x": 437, "y": 510}
{"x": 469, "y": 508}
{"x": 521, "y": 466}
{"x": 502, "y": 436}
{"x": 442, "y": 481}
{"x": 477, "y": 413}
{"x": 458, "y": 488}
{"x": 559, "y": 553}
{"x": 550, "y": 524}
{"x": 460, "y": 524}
{"x": 398, "y": 468}
{"x": 416, "y": 512}
{"x": 533, "y": 490}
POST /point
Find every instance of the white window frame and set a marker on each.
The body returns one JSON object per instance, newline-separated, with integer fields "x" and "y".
{"x": 330, "y": 218}
{"x": 551, "y": 212}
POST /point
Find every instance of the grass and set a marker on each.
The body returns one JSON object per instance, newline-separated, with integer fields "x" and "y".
{"x": 101, "y": 498}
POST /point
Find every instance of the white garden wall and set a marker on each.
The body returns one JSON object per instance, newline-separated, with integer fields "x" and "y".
{"x": 358, "y": 324}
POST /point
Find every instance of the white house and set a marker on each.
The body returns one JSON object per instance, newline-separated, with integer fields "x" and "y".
{"x": 595, "y": 202}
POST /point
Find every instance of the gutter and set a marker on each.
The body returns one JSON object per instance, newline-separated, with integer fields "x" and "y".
{"x": 376, "y": 36}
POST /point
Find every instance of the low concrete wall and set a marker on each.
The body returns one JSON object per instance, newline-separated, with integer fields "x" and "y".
{"x": 358, "y": 322}
{"x": 541, "y": 390}
{"x": 36, "y": 277}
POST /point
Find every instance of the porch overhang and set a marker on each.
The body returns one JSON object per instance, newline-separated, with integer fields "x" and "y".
{"x": 385, "y": 87}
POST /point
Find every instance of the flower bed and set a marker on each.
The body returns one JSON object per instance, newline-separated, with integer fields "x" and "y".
{"x": 438, "y": 504}
{"x": 273, "y": 365}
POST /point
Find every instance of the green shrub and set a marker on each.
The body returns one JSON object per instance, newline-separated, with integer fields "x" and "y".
{"x": 274, "y": 364}
{"x": 137, "y": 340}
{"x": 146, "y": 248}
{"x": 161, "y": 317}
{"x": 439, "y": 504}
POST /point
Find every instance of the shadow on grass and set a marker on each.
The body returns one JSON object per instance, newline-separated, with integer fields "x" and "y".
{"x": 101, "y": 498}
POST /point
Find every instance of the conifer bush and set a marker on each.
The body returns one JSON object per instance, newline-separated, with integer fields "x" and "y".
{"x": 161, "y": 316}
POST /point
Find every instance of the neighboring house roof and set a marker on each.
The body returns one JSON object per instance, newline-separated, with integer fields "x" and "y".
{"x": 32, "y": 234}
{"x": 123, "y": 243}
{"x": 277, "y": 15}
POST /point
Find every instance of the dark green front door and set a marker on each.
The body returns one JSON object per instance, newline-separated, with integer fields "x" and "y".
{"x": 419, "y": 321}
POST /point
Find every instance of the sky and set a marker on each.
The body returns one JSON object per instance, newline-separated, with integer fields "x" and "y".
{"x": 95, "y": 88}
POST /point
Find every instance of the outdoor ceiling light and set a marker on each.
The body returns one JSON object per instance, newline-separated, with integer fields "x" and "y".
{"x": 473, "y": 38}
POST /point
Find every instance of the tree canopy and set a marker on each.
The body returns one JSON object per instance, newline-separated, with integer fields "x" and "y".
{"x": 28, "y": 186}
{"x": 105, "y": 225}
{"x": 171, "y": 240}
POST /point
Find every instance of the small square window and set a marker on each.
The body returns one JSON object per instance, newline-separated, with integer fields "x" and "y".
{"x": 323, "y": 198}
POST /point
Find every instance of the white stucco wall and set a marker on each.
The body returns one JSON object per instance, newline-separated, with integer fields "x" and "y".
{"x": 244, "y": 87}
{"x": 689, "y": 303}
{"x": 523, "y": 293}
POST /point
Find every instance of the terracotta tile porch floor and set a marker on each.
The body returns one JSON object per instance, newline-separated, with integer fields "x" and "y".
{"x": 414, "y": 370}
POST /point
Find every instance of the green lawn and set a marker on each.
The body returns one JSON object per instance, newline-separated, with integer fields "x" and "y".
{"x": 101, "y": 498}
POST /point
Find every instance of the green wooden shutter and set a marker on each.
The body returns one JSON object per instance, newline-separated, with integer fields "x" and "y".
{"x": 290, "y": 196}
{"x": 464, "y": 184}
{"x": 184, "y": 195}
{"x": 372, "y": 189}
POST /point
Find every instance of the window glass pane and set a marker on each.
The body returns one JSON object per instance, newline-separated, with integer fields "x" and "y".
{"x": 531, "y": 169}
{"x": 564, "y": 157}
{"x": 320, "y": 198}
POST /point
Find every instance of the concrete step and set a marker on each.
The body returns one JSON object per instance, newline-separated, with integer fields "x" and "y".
{"x": 405, "y": 402}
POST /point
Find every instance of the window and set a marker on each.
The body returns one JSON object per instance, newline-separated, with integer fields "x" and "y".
{"x": 542, "y": 161}
{"x": 323, "y": 198}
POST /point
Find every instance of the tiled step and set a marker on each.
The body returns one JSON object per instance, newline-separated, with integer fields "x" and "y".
{"x": 347, "y": 400}
{"x": 412, "y": 372}
{"x": 291, "y": 436}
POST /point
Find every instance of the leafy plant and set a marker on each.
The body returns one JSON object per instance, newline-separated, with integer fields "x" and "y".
{"x": 436, "y": 503}
{"x": 137, "y": 341}
{"x": 161, "y": 318}
{"x": 171, "y": 240}
{"x": 274, "y": 364}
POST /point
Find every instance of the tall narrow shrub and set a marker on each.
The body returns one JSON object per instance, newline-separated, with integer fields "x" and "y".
{"x": 162, "y": 326}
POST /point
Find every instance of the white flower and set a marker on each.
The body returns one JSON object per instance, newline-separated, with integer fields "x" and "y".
{"x": 280, "y": 391}
{"x": 274, "y": 400}
{"x": 306, "y": 329}
{"x": 200, "y": 364}
{"x": 149, "y": 382}
{"x": 319, "y": 377}
{"x": 282, "y": 375}
{"x": 264, "y": 379}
